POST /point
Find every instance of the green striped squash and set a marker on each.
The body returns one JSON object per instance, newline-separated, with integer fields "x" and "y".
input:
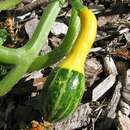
{"x": 61, "y": 94}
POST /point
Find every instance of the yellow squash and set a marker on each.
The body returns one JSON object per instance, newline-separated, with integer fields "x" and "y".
{"x": 65, "y": 86}
{"x": 76, "y": 58}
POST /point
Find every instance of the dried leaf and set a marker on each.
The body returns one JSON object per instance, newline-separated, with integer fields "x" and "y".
{"x": 123, "y": 122}
{"x": 123, "y": 53}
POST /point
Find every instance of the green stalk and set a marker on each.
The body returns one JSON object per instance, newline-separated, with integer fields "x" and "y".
{"x": 8, "y": 4}
{"x": 11, "y": 78}
{"x": 27, "y": 54}
{"x": 55, "y": 55}
{"x": 77, "y": 4}
{"x": 9, "y": 55}
{"x": 40, "y": 35}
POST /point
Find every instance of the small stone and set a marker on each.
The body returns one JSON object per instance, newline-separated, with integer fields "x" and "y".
{"x": 45, "y": 49}
{"x": 59, "y": 28}
{"x": 92, "y": 69}
{"x": 30, "y": 26}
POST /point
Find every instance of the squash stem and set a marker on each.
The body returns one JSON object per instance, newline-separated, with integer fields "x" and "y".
{"x": 26, "y": 55}
{"x": 8, "y": 55}
{"x": 8, "y": 4}
{"x": 40, "y": 35}
{"x": 55, "y": 55}
{"x": 77, "y": 4}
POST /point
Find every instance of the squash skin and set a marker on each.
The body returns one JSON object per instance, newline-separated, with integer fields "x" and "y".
{"x": 64, "y": 87}
{"x": 76, "y": 58}
{"x": 61, "y": 94}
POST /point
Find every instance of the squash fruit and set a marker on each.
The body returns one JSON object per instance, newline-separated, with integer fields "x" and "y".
{"x": 65, "y": 86}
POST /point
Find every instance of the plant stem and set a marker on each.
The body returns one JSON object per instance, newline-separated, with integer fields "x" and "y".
{"x": 7, "y": 4}
{"x": 40, "y": 35}
{"x": 77, "y": 4}
{"x": 55, "y": 55}
{"x": 8, "y": 55}
{"x": 23, "y": 57}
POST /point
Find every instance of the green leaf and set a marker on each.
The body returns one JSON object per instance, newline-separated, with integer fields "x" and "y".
{"x": 3, "y": 36}
{"x": 4, "y": 69}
